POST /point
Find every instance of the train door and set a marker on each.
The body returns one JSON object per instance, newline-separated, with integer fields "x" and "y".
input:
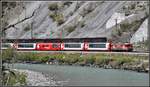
{"x": 85, "y": 46}
{"x": 110, "y": 46}
{"x": 62, "y": 46}
{"x": 37, "y": 46}
{"x": 15, "y": 45}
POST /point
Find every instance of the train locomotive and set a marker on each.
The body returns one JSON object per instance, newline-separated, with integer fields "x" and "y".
{"x": 67, "y": 44}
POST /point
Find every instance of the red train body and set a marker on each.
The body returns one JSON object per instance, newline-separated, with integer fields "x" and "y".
{"x": 83, "y": 45}
{"x": 122, "y": 47}
{"x": 48, "y": 46}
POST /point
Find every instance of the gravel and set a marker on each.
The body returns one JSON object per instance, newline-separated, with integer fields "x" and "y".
{"x": 40, "y": 79}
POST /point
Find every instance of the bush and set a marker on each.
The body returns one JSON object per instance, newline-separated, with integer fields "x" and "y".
{"x": 53, "y": 7}
{"x": 71, "y": 58}
{"x": 44, "y": 59}
{"x": 58, "y": 18}
{"x": 132, "y": 7}
{"x": 121, "y": 59}
{"x": 102, "y": 60}
{"x": 81, "y": 59}
{"x": 27, "y": 57}
{"x": 82, "y": 24}
{"x": 89, "y": 59}
{"x": 60, "y": 21}
{"x": 27, "y": 28}
{"x": 20, "y": 79}
{"x": 8, "y": 54}
{"x": 67, "y": 3}
{"x": 125, "y": 26}
{"x": 70, "y": 29}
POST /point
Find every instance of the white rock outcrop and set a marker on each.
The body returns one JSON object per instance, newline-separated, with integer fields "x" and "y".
{"x": 141, "y": 34}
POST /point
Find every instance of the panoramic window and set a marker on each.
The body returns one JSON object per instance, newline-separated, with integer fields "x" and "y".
{"x": 25, "y": 45}
{"x": 5, "y": 45}
{"x": 97, "y": 45}
{"x": 72, "y": 45}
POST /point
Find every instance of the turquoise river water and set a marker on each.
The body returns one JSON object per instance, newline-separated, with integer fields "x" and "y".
{"x": 88, "y": 76}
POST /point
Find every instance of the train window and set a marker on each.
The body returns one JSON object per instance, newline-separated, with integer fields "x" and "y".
{"x": 97, "y": 45}
{"x": 25, "y": 45}
{"x": 72, "y": 45}
{"x": 5, "y": 45}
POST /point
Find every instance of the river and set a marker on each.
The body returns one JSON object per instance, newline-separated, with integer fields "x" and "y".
{"x": 88, "y": 76}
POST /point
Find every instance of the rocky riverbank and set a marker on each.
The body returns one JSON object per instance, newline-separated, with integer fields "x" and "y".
{"x": 139, "y": 63}
{"x": 39, "y": 79}
{"x": 138, "y": 66}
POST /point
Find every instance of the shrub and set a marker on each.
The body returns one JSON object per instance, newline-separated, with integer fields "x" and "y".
{"x": 136, "y": 24}
{"x": 81, "y": 59}
{"x": 71, "y": 58}
{"x": 27, "y": 57}
{"x": 132, "y": 6}
{"x": 89, "y": 59}
{"x": 82, "y": 24}
{"x": 27, "y": 28}
{"x": 53, "y": 7}
{"x": 8, "y": 54}
{"x": 116, "y": 33}
{"x": 70, "y": 29}
{"x": 67, "y": 3}
{"x": 58, "y": 18}
{"x": 44, "y": 58}
{"x": 60, "y": 21}
{"x": 125, "y": 26}
{"x": 102, "y": 60}
{"x": 119, "y": 32}
{"x": 30, "y": 57}
{"x": 19, "y": 78}
{"x": 121, "y": 59}
{"x": 123, "y": 7}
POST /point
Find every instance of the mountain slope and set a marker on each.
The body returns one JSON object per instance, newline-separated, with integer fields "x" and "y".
{"x": 61, "y": 19}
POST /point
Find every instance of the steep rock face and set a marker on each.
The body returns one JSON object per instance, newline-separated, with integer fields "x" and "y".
{"x": 123, "y": 29}
{"x": 101, "y": 12}
{"x": 73, "y": 19}
{"x": 141, "y": 34}
{"x": 95, "y": 26}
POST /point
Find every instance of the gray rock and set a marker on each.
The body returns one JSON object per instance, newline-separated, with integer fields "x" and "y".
{"x": 75, "y": 14}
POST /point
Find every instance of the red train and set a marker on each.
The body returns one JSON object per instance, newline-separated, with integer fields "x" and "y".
{"x": 85, "y": 44}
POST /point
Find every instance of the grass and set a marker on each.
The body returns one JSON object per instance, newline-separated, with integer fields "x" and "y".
{"x": 8, "y": 54}
{"x": 76, "y": 58}
{"x": 101, "y": 60}
{"x": 18, "y": 79}
{"x": 89, "y": 59}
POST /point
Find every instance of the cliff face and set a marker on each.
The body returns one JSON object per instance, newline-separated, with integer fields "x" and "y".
{"x": 76, "y": 19}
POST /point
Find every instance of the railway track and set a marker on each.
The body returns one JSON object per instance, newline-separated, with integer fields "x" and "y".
{"x": 91, "y": 52}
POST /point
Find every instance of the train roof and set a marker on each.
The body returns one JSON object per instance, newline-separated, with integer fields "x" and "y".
{"x": 95, "y": 39}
